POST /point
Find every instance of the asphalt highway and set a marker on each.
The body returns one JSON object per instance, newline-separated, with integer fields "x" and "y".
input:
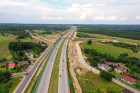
{"x": 63, "y": 86}
{"x": 29, "y": 75}
{"x": 45, "y": 78}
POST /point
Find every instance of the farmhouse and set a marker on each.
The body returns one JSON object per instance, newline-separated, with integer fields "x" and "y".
{"x": 128, "y": 79}
{"x": 102, "y": 60}
{"x": 104, "y": 67}
{"x": 29, "y": 54}
{"x": 121, "y": 69}
{"x": 23, "y": 63}
{"x": 110, "y": 63}
{"x": 126, "y": 91}
{"x": 11, "y": 65}
{"x": 4, "y": 63}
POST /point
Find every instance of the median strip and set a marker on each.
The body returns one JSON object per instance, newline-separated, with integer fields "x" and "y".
{"x": 53, "y": 86}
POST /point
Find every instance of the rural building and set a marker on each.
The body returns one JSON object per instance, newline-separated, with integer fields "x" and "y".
{"x": 104, "y": 67}
{"x": 29, "y": 54}
{"x": 126, "y": 91}
{"x": 110, "y": 63}
{"x": 4, "y": 63}
{"x": 128, "y": 79}
{"x": 23, "y": 63}
{"x": 102, "y": 60}
{"x": 11, "y": 65}
{"x": 121, "y": 69}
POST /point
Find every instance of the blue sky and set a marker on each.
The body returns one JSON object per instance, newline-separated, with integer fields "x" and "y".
{"x": 70, "y": 11}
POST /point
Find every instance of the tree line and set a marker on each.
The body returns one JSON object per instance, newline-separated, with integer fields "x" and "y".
{"x": 134, "y": 48}
{"x": 17, "y": 49}
{"x": 21, "y": 34}
{"x": 124, "y": 31}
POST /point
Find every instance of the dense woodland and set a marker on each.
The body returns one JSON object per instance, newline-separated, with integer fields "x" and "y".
{"x": 21, "y": 34}
{"x": 20, "y": 29}
{"x": 18, "y": 49}
{"x": 134, "y": 48}
{"x": 124, "y": 31}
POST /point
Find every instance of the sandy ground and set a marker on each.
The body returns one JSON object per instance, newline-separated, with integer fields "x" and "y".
{"x": 73, "y": 64}
{"x": 75, "y": 34}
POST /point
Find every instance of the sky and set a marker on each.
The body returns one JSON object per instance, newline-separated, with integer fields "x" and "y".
{"x": 70, "y": 11}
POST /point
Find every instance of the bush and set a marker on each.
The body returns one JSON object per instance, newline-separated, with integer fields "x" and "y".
{"x": 124, "y": 54}
{"x": 106, "y": 75}
{"x": 89, "y": 42}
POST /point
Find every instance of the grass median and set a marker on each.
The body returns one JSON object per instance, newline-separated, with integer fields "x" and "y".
{"x": 53, "y": 86}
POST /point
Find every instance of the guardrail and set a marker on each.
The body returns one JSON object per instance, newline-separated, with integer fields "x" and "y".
{"x": 34, "y": 91}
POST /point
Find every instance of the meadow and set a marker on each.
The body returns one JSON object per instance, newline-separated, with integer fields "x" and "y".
{"x": 92, "y": 83}
{"x": 110, "y": 49}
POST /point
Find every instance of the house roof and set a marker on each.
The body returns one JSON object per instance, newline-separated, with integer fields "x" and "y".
{"x": 121, "y": 68}
{"x": 128, "y": 78}
{"x": 29, "y": 51}
{"x": 127, "y": 91}
{"x": 102, "y": 59}
{"x": 23, "y": 62}
{"x": 110, "y": 63}
{"x": 4, "y": 63}
{"x": 105, "y": 66}
{"x": 11, "y": 64}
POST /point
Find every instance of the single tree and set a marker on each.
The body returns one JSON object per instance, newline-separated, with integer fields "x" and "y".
{"x": 89, "y": 42}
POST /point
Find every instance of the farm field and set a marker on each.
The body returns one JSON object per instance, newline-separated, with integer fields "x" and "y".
{"x": 108, "y": 48}
{"x": 99, "y": 36}
{"x": 92, "y": 83}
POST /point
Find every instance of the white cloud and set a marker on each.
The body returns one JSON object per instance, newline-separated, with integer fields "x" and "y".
{"x": 123, "y": 18}
{"x": 106, "y": 18}
{"x": 138, "y": 17}
{"x": 76, "y": 11}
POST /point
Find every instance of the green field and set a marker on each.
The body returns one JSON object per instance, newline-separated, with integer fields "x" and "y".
{"x": 29, "y": 40}
{"x": 53, "y": 86}
{"x": 110, "y": 49}
{"x": 99, "y": 36}
{"x": 92, "y": 83}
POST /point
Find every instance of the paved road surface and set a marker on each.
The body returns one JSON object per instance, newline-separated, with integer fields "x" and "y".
{"x": 45, "y": 78}
{"x": 63, "y": 86}
{"x": 28, "y": 76}
{"x": 125, "y": 86}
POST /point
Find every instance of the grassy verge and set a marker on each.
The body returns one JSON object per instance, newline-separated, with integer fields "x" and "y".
{"x": 53, "y": 86}
{"x": 10, "y": 85}
{"x": 71, "y": 87}
{"x": 92, "y": 83}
